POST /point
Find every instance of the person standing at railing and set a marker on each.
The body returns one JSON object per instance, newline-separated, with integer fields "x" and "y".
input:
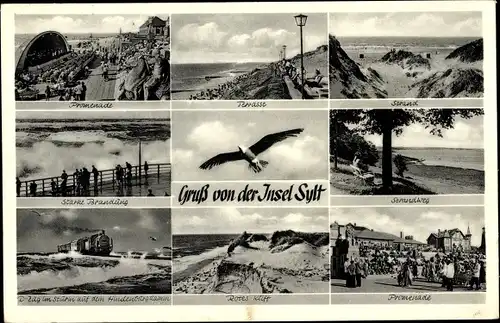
{"x": 146, "y": 168}
{"x": 64, "y": 182}
{"x": 33, "y": 186}
{"x": 53, "y": 187}
{"x": 76, "y": 182}
{"x": 18, "y": 186}
{"x": 85, "y": 179}
{"x": 95, "y": 172}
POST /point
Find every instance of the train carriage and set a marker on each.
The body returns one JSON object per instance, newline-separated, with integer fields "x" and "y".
{"x": 96, "y": 244}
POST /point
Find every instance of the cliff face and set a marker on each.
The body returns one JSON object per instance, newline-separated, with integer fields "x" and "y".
{"x": 406, "y": 60}
{"x": 347, "y": 80}
{"x": 468, "y": 53}
{"x": 452, "y": 83}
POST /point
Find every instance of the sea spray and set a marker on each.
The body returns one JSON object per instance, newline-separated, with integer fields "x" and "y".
{"x": 77, "y": 275}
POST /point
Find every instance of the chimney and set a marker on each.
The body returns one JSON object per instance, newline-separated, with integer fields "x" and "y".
{"x": 401, "y": 234}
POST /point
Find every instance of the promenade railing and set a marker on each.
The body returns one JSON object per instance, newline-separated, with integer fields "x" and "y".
{"x": 104, "y": 181}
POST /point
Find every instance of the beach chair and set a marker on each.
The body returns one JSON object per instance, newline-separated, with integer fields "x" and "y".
{"x": 365, "y": 176}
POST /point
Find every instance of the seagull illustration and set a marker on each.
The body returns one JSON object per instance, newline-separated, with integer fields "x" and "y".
{"x": 153, "y": 238}
{"x": 250, "y": 154}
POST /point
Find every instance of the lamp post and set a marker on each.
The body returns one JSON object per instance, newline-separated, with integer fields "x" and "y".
{"x": 284, "y": 51}
{"x": 301, "y": 20}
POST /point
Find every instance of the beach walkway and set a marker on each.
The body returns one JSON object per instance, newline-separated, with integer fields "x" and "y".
{"x": 158, "y": 180}
{"x": 294, "y": 93}
{"x": 97, "y": 88}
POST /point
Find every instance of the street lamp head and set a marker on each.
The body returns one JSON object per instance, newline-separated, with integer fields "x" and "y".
{"x": 300, "y": 20}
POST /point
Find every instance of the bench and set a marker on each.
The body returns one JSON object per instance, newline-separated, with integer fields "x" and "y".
{"x": 365, "y": 176}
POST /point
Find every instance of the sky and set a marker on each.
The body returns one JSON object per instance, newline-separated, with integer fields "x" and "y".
{"x": 80, "y": 24}
{"x": 417, "y": 221}
{"x": 243, "y": 37}
{"x": 201, "y": 135}
{"x": 130, "y": 229}
{"x": 466, "y": 134}
{"x": 253, "y": 220}
{"x": 89, "y": 114}
{"x": 409, "y": 24}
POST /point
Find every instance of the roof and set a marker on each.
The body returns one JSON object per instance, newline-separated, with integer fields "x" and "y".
{"x": 154, "y": 21}
{"x": 449, "y": 233}
{"x": 375, "y": 235}
{"x": 409, "y": 241}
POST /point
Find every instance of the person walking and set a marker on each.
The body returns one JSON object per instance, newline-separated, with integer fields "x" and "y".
{"x": 358, "y": 272}
{"x": 346, "y": 272}
{"x": 351, "y": 270}
{"x": 450, "y": 274}
{"x": 95, "y": 172}
{"x": 47, "y": 93}
{"x": 476, "y": 272}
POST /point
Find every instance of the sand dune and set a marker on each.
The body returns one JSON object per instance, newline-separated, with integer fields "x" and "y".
{"x": 289, "y": 265}
{"x": 403, "y": 74}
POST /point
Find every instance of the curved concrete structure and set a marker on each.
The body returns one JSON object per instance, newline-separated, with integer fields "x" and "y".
{"x": 48, "y": 40}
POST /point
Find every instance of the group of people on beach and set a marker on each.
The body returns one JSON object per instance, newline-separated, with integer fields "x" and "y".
{"x": 81, "y": 182}
{"x": 221, "y": 89}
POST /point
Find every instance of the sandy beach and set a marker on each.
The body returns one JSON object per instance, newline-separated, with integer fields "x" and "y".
{"x": 418, "y": 179}
{"x": 409, "y": 70}
{"x": 284, "y": 263}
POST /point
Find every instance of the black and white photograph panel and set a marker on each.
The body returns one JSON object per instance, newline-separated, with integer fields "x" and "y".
{"x": 92, "y": 153}
{"x": 250, "y": 251}
{"x": 92, "y": 57}
{"x": 408, "y": 249}
{"x": 406, "y": 151}
{"x": 250, "y": 56}
{"x": 406, "y": 55}
{"x": 94, "y": 251}
{"x": 246, "y": 145}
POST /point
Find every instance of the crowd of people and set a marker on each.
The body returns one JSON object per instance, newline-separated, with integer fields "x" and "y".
{"x": 82, "y": 180}
{"x": 287, "y": 67}
{"x": 62, "y": 80}
{"x": 217, "y": 92}
{"x": 457, "y": 268}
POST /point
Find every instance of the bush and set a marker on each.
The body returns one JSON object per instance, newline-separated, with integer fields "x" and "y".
{"x": 349, "y": 143}
{"x": 400, "y": 163}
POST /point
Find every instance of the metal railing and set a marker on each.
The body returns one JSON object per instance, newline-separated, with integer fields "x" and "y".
{"x": 104, "y": 180}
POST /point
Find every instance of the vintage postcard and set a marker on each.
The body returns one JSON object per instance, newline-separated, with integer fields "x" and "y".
{"x": 249, "y": 161}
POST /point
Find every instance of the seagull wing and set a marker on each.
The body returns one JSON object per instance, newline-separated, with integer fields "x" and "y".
{"x": 36, "y": 212}
{"x": 221, "y": 159}
{"x": 269, "y": 140}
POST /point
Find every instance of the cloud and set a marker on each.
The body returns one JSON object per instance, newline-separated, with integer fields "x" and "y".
{"x": 213, "y": 134}
{"x": 79, "y": 23}
{"x": 232, "y": 220}
{"x": 207, "y": 36}
{"x": 426, "y": 24}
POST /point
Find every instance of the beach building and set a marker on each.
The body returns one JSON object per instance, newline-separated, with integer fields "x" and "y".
{"x": 41, "y": 52}
{"x": 483, "y": 241}
{"x": 346, "y": 240}
{"x": 450, "y": 240}
{"x": 154, "y": 27}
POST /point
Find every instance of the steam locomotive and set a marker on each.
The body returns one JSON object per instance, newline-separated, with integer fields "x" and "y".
{"x": 98, "y": 244}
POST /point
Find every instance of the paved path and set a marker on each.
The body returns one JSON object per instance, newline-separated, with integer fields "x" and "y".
{"x": 294, "y": 93}
{"x": 97, "y": 88}
{"x": 389, "y": 284}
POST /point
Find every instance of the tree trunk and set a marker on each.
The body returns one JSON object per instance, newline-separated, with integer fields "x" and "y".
{"x": 387, "y": 153}
{"x": 336, "y": 141}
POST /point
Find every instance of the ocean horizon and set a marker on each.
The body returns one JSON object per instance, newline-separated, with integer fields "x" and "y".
{"x": 467, "y": 158}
